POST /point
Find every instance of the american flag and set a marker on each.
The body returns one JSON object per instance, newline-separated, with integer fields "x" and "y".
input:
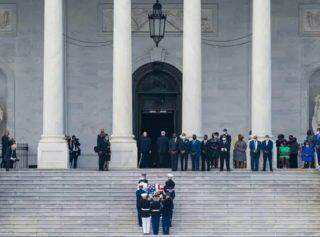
{"x": 154, "y": 188}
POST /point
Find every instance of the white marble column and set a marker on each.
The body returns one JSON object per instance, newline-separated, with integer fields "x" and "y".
{"x": 261, "y": 69}
{"x": 123, "y": 146}
{"x": 52, "y": 149}
{"x": 192, "y": 83}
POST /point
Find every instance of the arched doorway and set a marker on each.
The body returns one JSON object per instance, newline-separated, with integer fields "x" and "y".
{"x": 157, "y": 105}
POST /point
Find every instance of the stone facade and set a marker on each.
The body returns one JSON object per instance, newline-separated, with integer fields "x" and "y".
{"x": 226, "y": 67}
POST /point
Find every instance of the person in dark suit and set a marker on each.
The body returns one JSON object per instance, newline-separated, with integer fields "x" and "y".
{"x": 214, "y": 148}
{"x": 267, "y": 149}
{"x": 195, "y": 150}
{"x": 205, "y": 156}
{"x": 163, "y": 148}
{"x": 225, "y": 134}
{"x": 5, "y": 142}
{"x": 184, "y": 148}
{"x": 174, "y": 151}
{"x": 167, "y": 210}
{"x": 255, "y": 149}
{"x": 145, "y": 151}
{"x": 9, "y": 154}
{"x": 225, "y": 146}
{"x": 294, "y": 150}
{"x": 155, "y": 208}
{"x": 103, "y": 149}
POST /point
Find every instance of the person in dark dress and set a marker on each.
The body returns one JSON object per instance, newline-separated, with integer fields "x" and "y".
{"x": 163, "y": 148}
{"x": 145, "y": 151}
{"x": 225, "y": 152}
{"x": 9, "y": 154}
{"x": 294, "y": 150}
{"x": 167, "y": 210}
{"x": 155, "y": 208}
{"x": 139, "y": 192}
{"x": 184, "y": 148}
{"x": 104, "y": 151}
{"x": 174, "y": 151}
{"x": 205, "y": 156}
{"x": 5, "y": 144}
{"x": 214, "y": 149}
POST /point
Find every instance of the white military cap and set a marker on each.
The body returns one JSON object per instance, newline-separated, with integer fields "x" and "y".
{"x": 144, "y": 195}
{"x": 170, "y": 175}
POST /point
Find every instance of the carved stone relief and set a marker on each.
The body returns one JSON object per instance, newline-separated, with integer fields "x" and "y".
{"x": 174, "y": 18}
{"x": 8, "y": 19}
{"x": 310, "y": 19}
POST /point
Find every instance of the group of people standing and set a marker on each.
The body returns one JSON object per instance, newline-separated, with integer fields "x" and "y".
{"x": 74, "y": 150}
{"x": 8, "y": 149}
{"x": 103, "y": 148}
{"x": 204, "y": 154}
{"x": 155, "y": 203}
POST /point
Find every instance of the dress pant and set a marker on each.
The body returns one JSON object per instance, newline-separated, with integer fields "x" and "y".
{"x": 255, "y": 162}
{"x": 144, "y": 162}
{"x": 139, "y": 216}
{"x": 294, "y": 160}
{"x": 146, "y": 222}
{"x": 203, "y": 162}
{"x": 155, "y": 221}
{"x": 214, "y": 159}
{"x": 102, "y": 160}
{"x": 267, "y": 157}
{"x": 7, "y": 164}
{"x": 166, "y": 223}
{"x": 195, "y": 162}
{"x": 163, "y": 160}
{"x": 184, "y": 161}
{"x": 224, "y": 156}
{"x": 174, "y": 161}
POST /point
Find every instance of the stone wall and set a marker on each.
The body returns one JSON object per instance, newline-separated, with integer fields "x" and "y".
{"x": 226, "y": 67}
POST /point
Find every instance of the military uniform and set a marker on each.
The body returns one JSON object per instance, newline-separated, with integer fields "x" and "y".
{"x": 145, "y": 214}
{"x": 155, "y": 208}
{"x": 169, "y": 188}
{"x": 167, "y": 210}
{"x": 138, "y": 204}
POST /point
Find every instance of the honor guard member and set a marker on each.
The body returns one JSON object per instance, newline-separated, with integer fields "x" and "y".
{"x": 184, "y": 148}
{"x": 167, "y": 209}
{"x": 155, "y": 208}
{"x": 139, "y": 192}
{"x": 205, "y": 160}
{"x": 214, "y": 149}
{"x": 145, "y": 213}
{"x": 174, "y": 151}
{"x": 143, "y": 178}
{"x": 169, "y": 186}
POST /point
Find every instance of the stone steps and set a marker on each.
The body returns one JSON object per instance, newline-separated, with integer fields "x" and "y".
{"x": 90, "y": 203}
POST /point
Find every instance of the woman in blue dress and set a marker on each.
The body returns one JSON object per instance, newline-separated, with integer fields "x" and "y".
{"x": 307, "y": 155}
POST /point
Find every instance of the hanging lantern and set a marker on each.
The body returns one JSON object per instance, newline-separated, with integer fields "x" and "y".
{"x": 157, "y": 23}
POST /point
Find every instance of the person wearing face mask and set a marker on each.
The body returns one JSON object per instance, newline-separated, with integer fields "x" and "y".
{"x": 184, "y": 147}
{"x": 225, "y": 134}
{"x": 174, "y": 151}
{"x": 145, "y": 151}
{"x": 225, "y": 146}
{"x": 214, "y": 150}
{"x": 307, "y": 155}
{"x": 267, "y": 149}
{"x": 205, "y": 161}
{"x": 195, "y": 149}
{"x": 255, "y": 150}
{"x": 317, "y": 144}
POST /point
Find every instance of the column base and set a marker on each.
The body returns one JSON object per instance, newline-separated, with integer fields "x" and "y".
{"x": 53, "y": 153}
{"x": 124, "y": 154}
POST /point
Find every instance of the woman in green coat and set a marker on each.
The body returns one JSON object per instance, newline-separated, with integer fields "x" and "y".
{"x": 284, "y": 155}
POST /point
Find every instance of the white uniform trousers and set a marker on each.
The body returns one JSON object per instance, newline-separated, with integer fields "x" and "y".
{"x": 146, "y": 221}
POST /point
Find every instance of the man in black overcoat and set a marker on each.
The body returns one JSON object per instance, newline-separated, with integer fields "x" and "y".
{"x": 163, "y": 148}
{"x": 145, "y": 151}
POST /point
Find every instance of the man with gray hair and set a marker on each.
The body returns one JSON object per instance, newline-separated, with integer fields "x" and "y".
{"x": 163, "y": 148}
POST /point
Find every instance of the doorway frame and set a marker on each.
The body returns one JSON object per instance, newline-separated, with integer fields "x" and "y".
{"x": 138, "y": 76}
